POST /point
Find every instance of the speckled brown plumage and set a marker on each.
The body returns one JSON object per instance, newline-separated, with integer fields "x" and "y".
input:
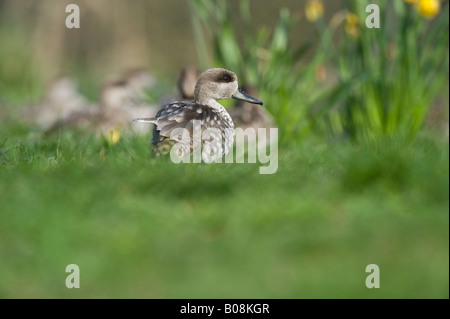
{"x": 212, "y": 85}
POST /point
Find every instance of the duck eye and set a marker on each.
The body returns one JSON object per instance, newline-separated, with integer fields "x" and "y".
{"x": 225, "y": 78}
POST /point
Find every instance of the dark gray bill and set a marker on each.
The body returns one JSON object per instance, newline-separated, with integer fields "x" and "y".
{"x": 241, "y": 95}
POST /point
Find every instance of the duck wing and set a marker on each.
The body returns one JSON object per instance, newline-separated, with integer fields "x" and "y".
{"x": 182, "y": 115}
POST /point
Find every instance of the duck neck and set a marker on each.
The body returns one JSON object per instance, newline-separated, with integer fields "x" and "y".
{"x": 212, "y": 103}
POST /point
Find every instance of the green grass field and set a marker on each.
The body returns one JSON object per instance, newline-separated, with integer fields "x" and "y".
{"x": 349, "y": 191}
{"x": 147, "y": 228}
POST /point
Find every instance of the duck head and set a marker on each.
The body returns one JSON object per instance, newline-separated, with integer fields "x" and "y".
{"x": 219, "y": 84}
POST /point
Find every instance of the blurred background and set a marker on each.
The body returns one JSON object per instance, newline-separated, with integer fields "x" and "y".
{"x": 338, "y": 75}
{"x": 363, "y": 172}
{"x": 114, "y": 36}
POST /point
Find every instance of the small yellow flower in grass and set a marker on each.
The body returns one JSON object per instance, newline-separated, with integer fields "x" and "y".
{"x": 352, "y": 25}
{"x": 113, "y": 136}
{"x": 428, "y": 8}
{"x": 314, "y": 10}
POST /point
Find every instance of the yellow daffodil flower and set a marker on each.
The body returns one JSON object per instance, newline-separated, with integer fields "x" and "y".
{"x": 314, "y": 10}
{"x": 352, "y": 25}
{"x": 428, "y": 8}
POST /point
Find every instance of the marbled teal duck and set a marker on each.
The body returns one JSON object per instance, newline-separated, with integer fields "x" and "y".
{"x": 212, "y": 85}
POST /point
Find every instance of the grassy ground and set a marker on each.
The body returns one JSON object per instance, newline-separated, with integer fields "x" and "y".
{"x": 141, "y": 227}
